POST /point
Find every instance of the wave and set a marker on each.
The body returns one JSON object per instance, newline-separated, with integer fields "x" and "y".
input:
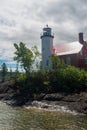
{"x": 50, "y": 107}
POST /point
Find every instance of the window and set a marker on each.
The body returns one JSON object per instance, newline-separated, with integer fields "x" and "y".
{"x": 43, "y": 49}
{"x": 47, "y": 62}
{"x": 81, "y": 52}
{"x": 86, "y": 61}
{"x": 86, "y": 53}
{"x": 68, "y": 60}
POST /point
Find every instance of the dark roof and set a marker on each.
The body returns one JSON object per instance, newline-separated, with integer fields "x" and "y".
{"x": 68, "y": 48}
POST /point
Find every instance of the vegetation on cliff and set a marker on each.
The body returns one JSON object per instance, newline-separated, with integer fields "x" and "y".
{"x": 64, "y": 84}
{"x": 62, "y": 78}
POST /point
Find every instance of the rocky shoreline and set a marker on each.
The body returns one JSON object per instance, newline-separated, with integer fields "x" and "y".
{"x": 76, "y": 102}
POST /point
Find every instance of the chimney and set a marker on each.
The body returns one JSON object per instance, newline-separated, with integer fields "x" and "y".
{"x": 81, "y": 38}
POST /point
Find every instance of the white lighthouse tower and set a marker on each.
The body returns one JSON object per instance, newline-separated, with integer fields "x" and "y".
{"x": 47, "y": 47}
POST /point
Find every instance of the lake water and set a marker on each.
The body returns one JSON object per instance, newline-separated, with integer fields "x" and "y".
{"x": 16, "y": 118}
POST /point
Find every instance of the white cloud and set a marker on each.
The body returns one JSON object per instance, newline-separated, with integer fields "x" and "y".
{"x": 23, "y": 20}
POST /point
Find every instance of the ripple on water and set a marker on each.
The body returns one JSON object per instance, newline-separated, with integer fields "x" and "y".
{"x": 17, "y": 118}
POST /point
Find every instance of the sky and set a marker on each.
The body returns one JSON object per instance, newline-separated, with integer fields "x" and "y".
{"x": 23, "y": 20}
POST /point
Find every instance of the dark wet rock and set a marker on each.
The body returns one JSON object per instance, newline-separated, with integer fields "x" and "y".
{"x": 6, "y": 85}
{"x": 75, "y": 101}
{"x": 3, "y": 95}
{"x": 39, "y": 96}
{"x": 29, "y": 103}
{"x": 53, "y": 97}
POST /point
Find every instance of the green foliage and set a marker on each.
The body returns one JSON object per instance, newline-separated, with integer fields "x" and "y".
{"x": 20, "y": 83}
{"x": 61, "y": 78}
{"x": 21, "y": 78}
{"x": 75, "y": 79}
{"x": 69, "y": 79}
{"x": 24, "y": 56}
{"x": 16, "y": 73}
{"x": 56, "y": 62}
{"x": 36, "y": 82}
{"x": 4, "y": 71}
{"x": 36, "y": 53}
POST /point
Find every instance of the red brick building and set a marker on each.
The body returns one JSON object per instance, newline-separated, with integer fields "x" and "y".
{"x": 74, "y": 53}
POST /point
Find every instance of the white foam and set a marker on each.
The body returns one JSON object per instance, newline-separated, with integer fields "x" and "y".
{"x": 45, "y": 106}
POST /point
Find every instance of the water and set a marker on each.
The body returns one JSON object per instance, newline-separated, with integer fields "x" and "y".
{"x": 11, "y": 64}
{"x": 16, "y": 118}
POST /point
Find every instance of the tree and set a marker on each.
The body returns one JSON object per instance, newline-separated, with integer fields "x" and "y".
{"x": 36, "y": 53}
{"x": 4, "y": 71}
{"x": 37, "y": 57}
{"x": 56, "y": 62}
{"x": 16, "y": 72}
{"x": 25, "y": 56}
{"x": 10, "y": 72}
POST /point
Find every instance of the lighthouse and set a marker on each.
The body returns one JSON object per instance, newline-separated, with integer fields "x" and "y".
{"x": 47, "y": 47}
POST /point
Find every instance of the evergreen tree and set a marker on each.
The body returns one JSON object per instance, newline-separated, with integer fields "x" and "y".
{"x": 4, "y": 71}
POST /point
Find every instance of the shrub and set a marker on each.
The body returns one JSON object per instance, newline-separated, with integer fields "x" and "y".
{"x": 69, "y": 79}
